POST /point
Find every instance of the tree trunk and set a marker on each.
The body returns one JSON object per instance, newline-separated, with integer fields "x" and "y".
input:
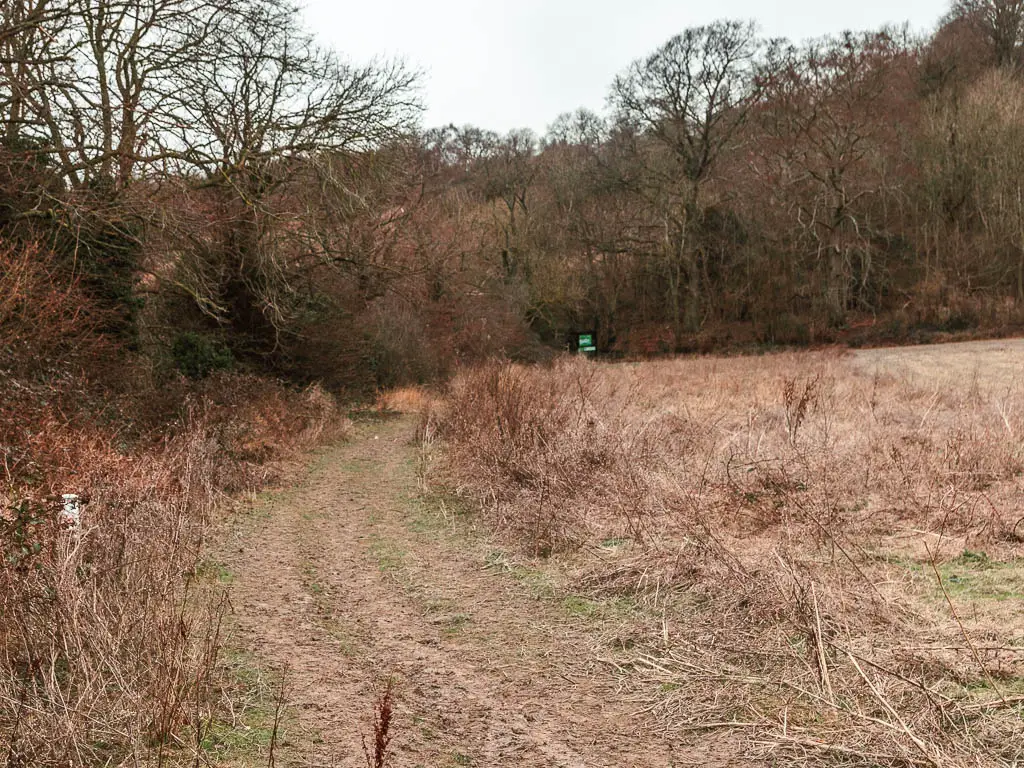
{"x": 673, "y": 249}
{"x": 1020, "y": 247}
{"x": 836, "y": 287}
{"x": 690, "y": 257}
{"x": 693, "y": 298}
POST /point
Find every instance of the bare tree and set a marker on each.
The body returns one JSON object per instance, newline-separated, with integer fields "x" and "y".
{"x": 262, "y": 111}
{"x": 229, "y": 99}
{"x": 93, "y": 80}
{"x": 508, "y": 171}
{"x": 22, "y": 49}
{"x": 684, "y": 105}
{"x": 830, "y": 109}
{"x": 1001, "y": 22}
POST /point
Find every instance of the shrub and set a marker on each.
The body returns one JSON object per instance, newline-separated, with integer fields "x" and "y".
{"x": 546, "y": 451}
{"x": 197, "y": 355}
{"x": 43, "y": 314}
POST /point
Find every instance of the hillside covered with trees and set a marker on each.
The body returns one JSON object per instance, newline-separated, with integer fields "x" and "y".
{"x": 217, "y": 189}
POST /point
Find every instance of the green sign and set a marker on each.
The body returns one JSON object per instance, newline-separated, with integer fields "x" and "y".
{"x": 585, "y": 343}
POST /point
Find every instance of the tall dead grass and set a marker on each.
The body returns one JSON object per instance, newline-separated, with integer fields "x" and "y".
{"x": 797, "y": 522}
{"x": 550, "y": 454}
{"x": 108, "y": 638}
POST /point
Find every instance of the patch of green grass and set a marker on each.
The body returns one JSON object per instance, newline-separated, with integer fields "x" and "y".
{"x": 320, "y": 459}
{"x": 423, "y": 521}
{"x": 975, "y": 576}
{"x": 894, "y": 558}
{"x": 445, "y": 613}
{"x": 454, "y": 624}
{"x": 460, "y": 759}
{"x": 346, "y": 643}
{"x": 984, "y": 586}
{"x": 970, "y": 576}
{"x": 982, "y": 690}
{"x": 498, "y": 560}
{"x": 973, "y": 559}
{"x": 310, "y": 579}
{"x": 356, "y": 466}
{"x": 257, "y": 508}
{"x": 539, "y": 583}
{"x": 390, "y": 557}
{"x": 581, "y": 607}
{"x": 236, "y": 742}
{"x": 446, "y": 505}
{"x": 270, "y": 497}
{"x": 215, "y": 571}
{"x": 241, "y": 736}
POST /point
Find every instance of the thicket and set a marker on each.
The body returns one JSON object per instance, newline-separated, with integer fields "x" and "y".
{"x": 859, "y": 188}
{"x": 108, "y": 635}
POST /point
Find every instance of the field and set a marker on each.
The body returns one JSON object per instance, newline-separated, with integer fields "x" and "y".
{"x": 797, "y": 557}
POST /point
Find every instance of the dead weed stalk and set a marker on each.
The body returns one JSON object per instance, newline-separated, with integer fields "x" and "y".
{"x": 377, "y": 752}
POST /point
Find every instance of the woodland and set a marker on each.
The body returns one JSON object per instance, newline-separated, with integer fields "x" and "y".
{"x": 217, "y": 190}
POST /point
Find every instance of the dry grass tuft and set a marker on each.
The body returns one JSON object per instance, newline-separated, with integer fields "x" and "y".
{"x": 824, "y": 551}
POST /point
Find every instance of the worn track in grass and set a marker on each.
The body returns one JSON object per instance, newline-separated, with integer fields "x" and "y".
{"x": 348, "y": 580}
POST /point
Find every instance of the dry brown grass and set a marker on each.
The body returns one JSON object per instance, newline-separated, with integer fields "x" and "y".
{"x": 405, "y": 400}
{"x": 109, "y": 635}
{"x": 824, "y": 550}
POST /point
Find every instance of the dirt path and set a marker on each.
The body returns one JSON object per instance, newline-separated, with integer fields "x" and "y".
{"x": 348, "y": 580}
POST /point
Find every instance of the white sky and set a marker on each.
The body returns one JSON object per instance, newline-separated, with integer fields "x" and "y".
{"x": 520, "y": 63}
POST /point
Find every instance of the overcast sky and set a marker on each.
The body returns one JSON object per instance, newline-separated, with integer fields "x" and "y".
{"x": 503, "y": 65}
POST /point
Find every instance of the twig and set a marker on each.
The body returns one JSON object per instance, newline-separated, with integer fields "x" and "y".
{"x": 879, "y": 757}
{"x": 934, "y": 761}
{"x": 820, "y": 647}
{"x": 278, "y": 714}
{"x": 1006, "y": 701}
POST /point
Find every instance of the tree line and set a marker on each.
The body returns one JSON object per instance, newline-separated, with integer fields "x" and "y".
{"x": 223, "y": 190}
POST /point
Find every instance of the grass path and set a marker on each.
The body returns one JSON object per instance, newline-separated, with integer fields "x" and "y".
{"x": 348, "y": 580}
